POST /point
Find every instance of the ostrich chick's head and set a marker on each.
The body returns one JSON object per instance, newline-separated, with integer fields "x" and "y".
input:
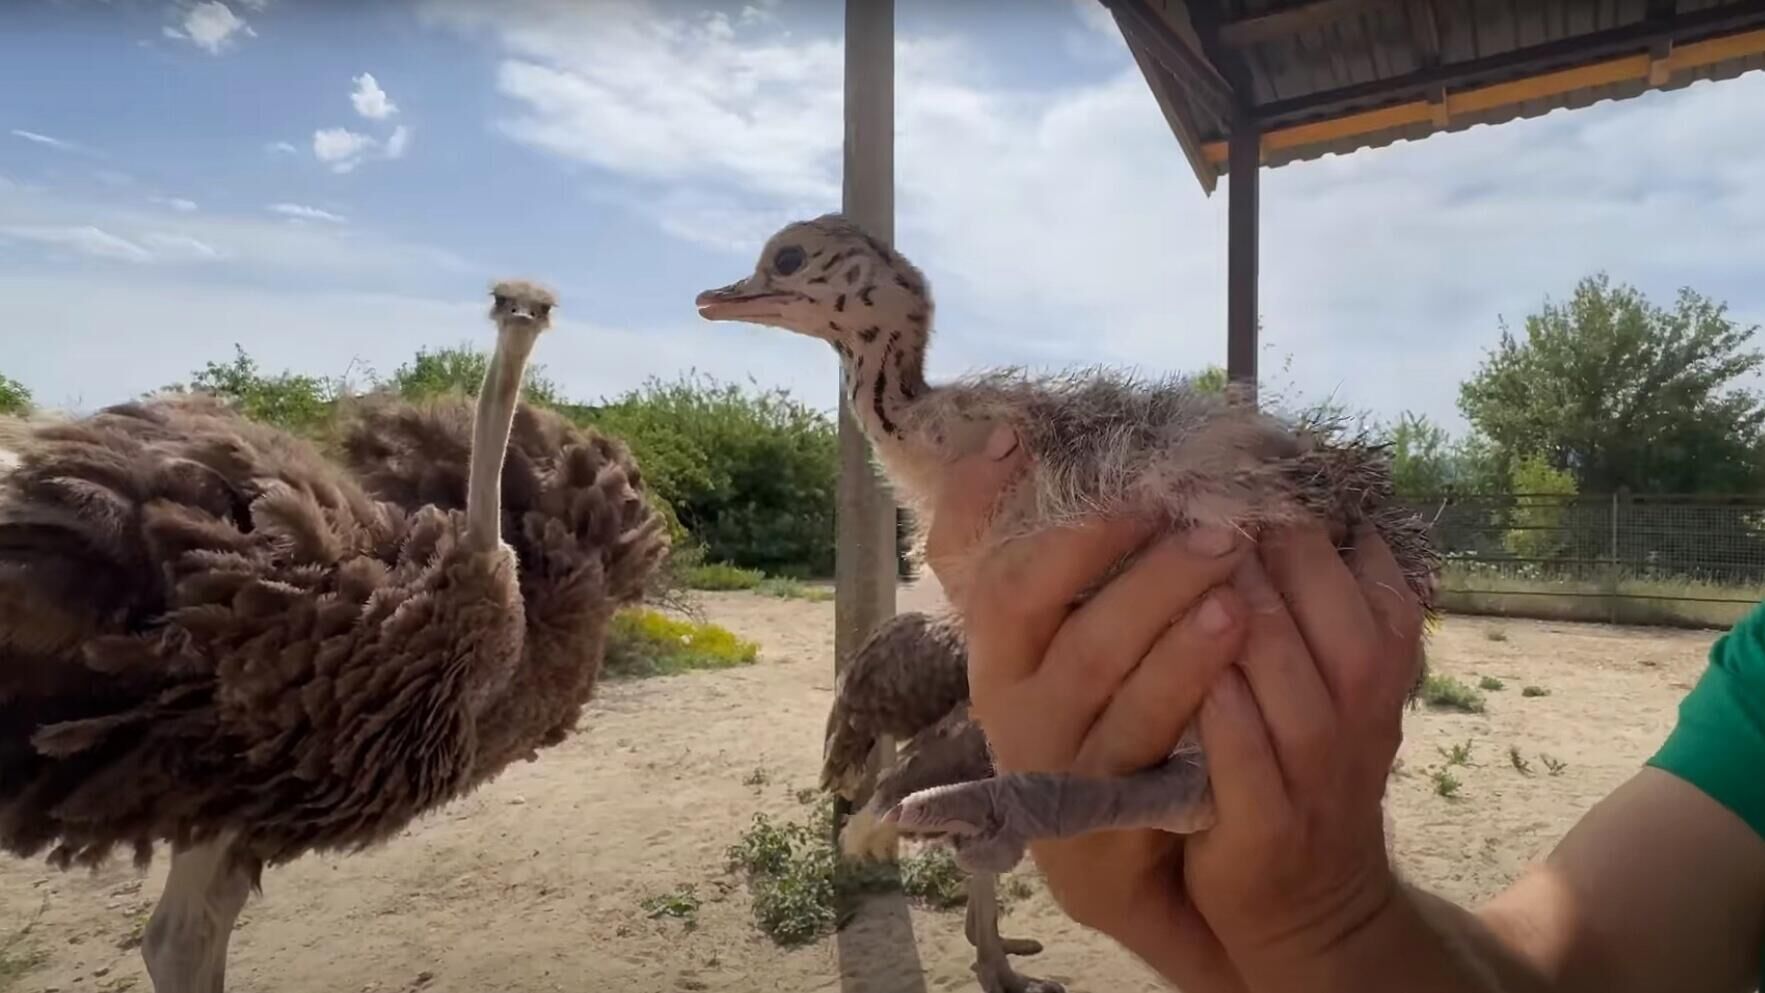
{"x": 517, "y": 305}
{"x": 826, "y": 278}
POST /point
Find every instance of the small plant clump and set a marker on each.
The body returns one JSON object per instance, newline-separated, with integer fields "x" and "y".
{"x": 1495, "y": 634}
{"x": 1521, "y": 765}
{"x": 1448, "y": 693}
{"x": 1457, "y": 754}
{"x": 682, "y": 904}
{"x": 1445, "y": 783}
{"x": 1532, "y": 691}
{"x": 644, "y": 642}
{"x": 800, "y": 886}
{"x": 717, "y": 576}
{"x": 1491, "y": 684}
{"x": 1555, "y": 765}
{"x": 792, "y": 589}
{"x": 932, "y": 875}
{"x": 759, "y": 777}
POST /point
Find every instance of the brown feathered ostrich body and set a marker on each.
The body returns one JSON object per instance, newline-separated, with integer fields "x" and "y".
{"x": 1101, "y": 444}
{"x": 909, "y": 681}
{"x": 211, "y": 636}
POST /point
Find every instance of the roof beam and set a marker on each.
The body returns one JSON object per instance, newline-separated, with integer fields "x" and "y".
{"x": 1285, "y": 23}
{"x": 1634, "y": 38}
{"x": 1142, "y": 26}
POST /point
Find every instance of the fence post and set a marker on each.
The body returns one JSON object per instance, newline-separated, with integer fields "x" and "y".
{"x": 1612, "y": 582}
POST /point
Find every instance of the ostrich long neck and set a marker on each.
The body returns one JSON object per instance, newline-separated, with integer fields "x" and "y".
{"x": 490, "y": 436}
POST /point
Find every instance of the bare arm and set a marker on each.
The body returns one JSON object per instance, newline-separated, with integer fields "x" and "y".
{"x": 1658, "y": 888}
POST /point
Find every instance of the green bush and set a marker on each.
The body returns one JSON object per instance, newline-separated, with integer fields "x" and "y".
{"x": 299, "y": 403}
{"x": 645, "y": 642}
{"x": 460, "y": 369}
{"x": 792, "y": 589}
{"x": 721, "y": 576}
{"x": 751, "y": 475}
{"x": 799, "y": 885}
{"x": 14, "y": 398}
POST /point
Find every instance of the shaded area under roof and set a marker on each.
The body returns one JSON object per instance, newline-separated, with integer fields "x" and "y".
{"x": 1316, "y": 77}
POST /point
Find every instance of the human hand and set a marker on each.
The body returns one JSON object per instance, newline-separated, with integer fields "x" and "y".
{"x": 1300, "y": 739}
{"x": 1088, "y": 689}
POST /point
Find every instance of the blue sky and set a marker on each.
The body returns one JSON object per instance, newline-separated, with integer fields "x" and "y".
{"x": 333, "y": 185}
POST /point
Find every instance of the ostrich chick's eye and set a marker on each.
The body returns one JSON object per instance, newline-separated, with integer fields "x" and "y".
{"x": 789, "y": 259}
{"x": 499, "y": 300}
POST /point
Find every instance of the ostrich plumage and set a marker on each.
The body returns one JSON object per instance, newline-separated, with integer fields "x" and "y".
{"x": 212, "y": 636}
{"x": 1101, "y": 443}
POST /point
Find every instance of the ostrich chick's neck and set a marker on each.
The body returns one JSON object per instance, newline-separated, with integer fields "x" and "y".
{"x": 881, "y": 333}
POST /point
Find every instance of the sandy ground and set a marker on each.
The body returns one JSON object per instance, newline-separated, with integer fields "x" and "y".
{"x": 534, "y": 883}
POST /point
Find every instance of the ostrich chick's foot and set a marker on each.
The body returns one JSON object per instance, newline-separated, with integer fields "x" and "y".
{"x": 992, "y": 965}
{"x": 989, "y": 822}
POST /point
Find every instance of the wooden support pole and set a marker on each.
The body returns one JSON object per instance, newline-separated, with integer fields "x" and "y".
{"x": 1243, "y": 176}
{"x": 864, "y": 556}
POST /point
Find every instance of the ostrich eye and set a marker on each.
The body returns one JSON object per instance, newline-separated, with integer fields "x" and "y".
{"x": 499, "y": 300}
{"x": 789, "y": 259}
{"x": 542, "y": 310}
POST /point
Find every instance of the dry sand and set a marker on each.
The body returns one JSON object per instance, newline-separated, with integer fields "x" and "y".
{"x": 534, "y": 883}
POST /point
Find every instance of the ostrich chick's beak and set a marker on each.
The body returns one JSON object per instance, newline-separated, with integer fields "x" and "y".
{"x": 740, "y": 301}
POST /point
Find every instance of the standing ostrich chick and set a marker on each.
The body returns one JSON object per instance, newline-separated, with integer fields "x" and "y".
{"x": 1101, "y": 444}
{"x": 212, "y": 637}
{"x": 909, "y": 680}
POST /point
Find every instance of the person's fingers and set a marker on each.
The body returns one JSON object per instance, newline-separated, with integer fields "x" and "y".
{"x": 1296, "y": 707}
{"x": 1025, "y": 589}
{"x": 1107, "y": 637}
{"x": 1146, "y": 718}
{"x": 965, "y": 503}
{"x": 1394, "y": 606}
{"x": 1243, "y": 772}
{"x": 1328, "y": 606}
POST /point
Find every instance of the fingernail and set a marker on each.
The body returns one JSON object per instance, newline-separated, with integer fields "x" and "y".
{"x": 1212, "y": 540}
{"x": 1002, "y": 442}
{"x": 1212, "y": 617}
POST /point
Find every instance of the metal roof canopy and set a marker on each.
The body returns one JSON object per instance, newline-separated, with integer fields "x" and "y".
{"x": 1247, "y": 83}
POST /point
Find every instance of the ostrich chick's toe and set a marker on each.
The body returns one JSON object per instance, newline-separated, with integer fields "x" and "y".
{"x": 989, "y": 822}
{"x": 997, "y": 976}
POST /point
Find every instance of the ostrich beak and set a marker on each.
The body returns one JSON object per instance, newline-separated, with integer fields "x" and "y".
{"x": 744, "y": 300}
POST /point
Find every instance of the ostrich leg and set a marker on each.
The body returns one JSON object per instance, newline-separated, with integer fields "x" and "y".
{"x": 991, "y": 963}
{"x": 185, "y": 945}
{"x": 989, "y": 822}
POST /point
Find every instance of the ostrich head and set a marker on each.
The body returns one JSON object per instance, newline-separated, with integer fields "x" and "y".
{"x": 520, "y": 307}
{"x": 827, "y": 278}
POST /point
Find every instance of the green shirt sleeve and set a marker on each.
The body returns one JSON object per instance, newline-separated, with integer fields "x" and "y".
{"x": 1718, "y": 744}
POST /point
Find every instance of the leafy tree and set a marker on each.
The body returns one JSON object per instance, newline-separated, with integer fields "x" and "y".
{"x": 1536, "y": 524}
{"x": 14, "y": 398}
{"x": 1620, "y": 392}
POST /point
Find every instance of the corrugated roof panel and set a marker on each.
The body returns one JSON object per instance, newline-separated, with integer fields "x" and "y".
{"x": 1388, "y": 42}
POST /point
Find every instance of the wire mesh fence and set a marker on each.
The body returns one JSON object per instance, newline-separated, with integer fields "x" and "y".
{"x": 1617, "y": 557}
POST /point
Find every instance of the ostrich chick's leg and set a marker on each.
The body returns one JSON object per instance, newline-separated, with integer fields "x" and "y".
{"x": 991, "y": 963}
{"x": 185, "y": 945}
{"x": 989, "y": 822}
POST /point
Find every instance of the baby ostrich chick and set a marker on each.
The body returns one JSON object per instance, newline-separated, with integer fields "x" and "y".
{"x": 1101, "y": 444}
{"x": 909, "y": 679}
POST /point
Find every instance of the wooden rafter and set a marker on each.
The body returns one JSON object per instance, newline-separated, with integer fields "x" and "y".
{"x": 1286, "y": 23}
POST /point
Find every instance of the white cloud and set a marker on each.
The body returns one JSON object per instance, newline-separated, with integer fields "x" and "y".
{"x": 180, "y": 246}
{"x": 305, "y": 213}
{"x": 282, "y": 148}
{"x": 341, "y": 148}
{"x": 398, "y": 142}
{"x": 370, "y": 100}
{"x": 43, "y": 139}
{"x": 175, "y": 203}
{"x": 1063, "y": 224}
{"x": 210, "y": 25}
{"x": 82, "y": 239}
